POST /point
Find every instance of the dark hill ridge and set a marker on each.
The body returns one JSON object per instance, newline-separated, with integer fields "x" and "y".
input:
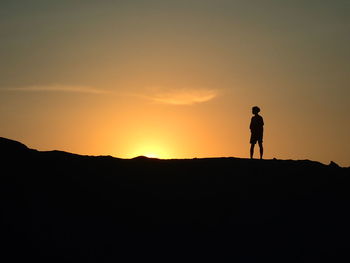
{"x": 63, "y": 207}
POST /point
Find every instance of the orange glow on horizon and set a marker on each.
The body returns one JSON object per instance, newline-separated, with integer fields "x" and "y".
{"x": 150, "y": 149}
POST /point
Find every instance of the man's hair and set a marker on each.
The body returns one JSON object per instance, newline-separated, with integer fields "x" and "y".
{"x": 256, "y": 109}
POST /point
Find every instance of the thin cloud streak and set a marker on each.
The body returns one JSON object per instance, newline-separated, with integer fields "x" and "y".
{"x": 184, "y": 96}
{"x": 57, "y": 88}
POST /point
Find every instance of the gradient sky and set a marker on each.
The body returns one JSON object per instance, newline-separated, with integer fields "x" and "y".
{"x": 177, "y": 78}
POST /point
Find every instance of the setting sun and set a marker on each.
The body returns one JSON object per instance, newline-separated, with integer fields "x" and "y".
{"x": 151, "y": 150}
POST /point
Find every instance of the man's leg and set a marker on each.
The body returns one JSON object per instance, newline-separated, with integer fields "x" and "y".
{"x": 261, "y": 150}
{"x": 252, "y": 150}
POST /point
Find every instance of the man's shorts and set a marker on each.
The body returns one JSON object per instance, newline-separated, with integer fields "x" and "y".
{"x": 256, "y": 137}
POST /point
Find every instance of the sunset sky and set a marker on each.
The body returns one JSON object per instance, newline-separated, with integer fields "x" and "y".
{"x": 177, "y": 78}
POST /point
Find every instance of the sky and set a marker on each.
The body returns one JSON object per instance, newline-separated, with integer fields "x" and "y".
{"x": 177, "y": 79}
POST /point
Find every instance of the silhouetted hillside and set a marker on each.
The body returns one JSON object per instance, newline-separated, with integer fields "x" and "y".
{"x": 62, "y": 207}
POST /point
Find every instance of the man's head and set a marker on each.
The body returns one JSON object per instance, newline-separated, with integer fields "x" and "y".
{"x": 255, "y": 110}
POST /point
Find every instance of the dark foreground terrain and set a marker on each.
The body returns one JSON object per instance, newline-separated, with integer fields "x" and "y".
{"x": 61, "y": 207}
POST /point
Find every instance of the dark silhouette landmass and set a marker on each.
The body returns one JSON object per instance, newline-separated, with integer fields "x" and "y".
{"x": 62, "y": 207}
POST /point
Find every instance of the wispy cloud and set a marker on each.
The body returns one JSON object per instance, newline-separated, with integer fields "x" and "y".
{"x": 183, "y": 96}
{"x": 57, "y": 88}
{"x": 166, "y": 95}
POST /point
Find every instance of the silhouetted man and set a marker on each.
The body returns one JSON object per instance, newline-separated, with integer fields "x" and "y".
{"x": 257, "y": 131}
